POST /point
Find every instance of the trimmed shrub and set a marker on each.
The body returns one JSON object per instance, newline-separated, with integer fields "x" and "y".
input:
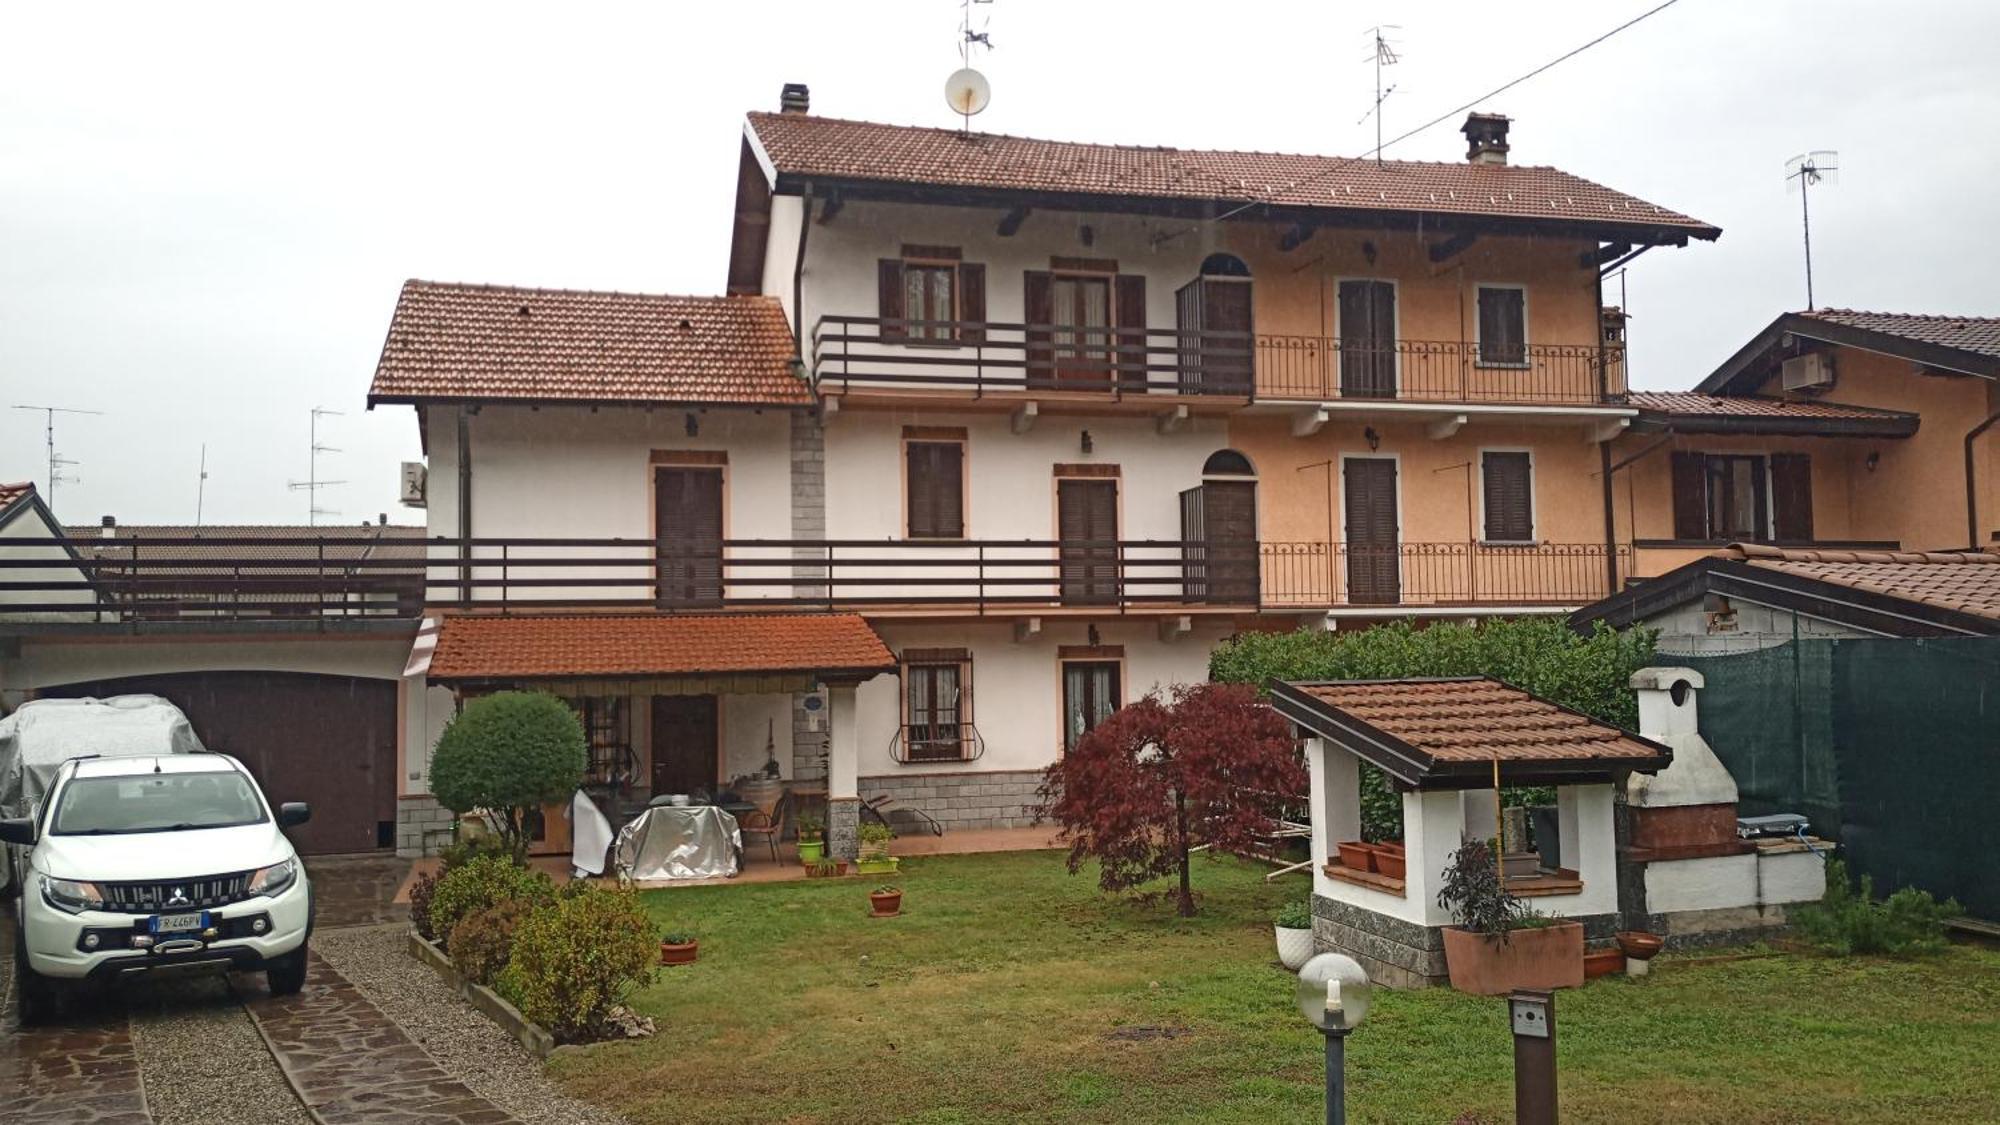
{"x": 1296, "y": 915}
{"x": 482, "y": 884}
{"x": 509, "y": 753}
{"x": 1849, "y": 920}
{"x": 483, "y": 941}
{"x": 420, "y": 905}
{"x": 579, "y": 955}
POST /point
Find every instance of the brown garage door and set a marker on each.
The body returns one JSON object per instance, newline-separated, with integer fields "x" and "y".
{"x": 329, "y": 740}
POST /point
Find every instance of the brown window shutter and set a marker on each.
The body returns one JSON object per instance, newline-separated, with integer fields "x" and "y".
{"x": 950, "y": 462}
{"x": 889, "y": 296}
{"x": 1690, "y": 496}
{"x": 935, "y": 487}
{"x": 1039, "y": 309}
{"x": 972, "y": 301}
{"x": 1509, "y": 489}
{"x": 1130, "y": 318}
{"x": 920, "y": 489}
{"x": 1791, "y": 496}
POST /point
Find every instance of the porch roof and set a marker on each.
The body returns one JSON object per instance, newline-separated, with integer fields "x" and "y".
{"x": 764, "y": 648}
{"x": 1447, "y": 733}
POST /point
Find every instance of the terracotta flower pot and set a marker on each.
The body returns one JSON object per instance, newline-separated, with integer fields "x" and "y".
{"x": 681, "y": 953}
{"x": 1602, "y": 963}
{"x": 1533, "y": 957}
{"x": 1640, "y": 945}
{"x": 1390, "y": 861}
{"x": 885, "y": 904}
{"x": 1356, "y": 856}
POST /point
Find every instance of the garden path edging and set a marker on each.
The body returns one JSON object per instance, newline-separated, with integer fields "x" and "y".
{"x": 524, "y": 1031}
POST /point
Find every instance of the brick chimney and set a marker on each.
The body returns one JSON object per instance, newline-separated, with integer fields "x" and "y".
{"x": 110, "y": 526}
{"x": 1485, "y": 138}
{"x": 795, "y": 98}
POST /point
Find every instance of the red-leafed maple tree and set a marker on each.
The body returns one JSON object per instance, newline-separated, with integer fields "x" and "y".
{"x": 1160, "y": 777}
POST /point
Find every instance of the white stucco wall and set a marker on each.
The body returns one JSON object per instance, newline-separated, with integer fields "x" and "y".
{"x": 28, "y": 523}
{"x": 1731, "y": 881}
{"x": 54, "y": 661}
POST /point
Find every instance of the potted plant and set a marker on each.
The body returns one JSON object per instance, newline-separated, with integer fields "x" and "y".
{"x": 874, "y": 857}
{"x": 1389, "y": 859}
{"x": 885, "y": 901}
{"x": 1498, "y": 945}
{"x": 1295, "y": 934}
{"x": 1639, "y": 948}
{"x": 812, "y": 839}
{"x": 1355, "y": 855}
{"x": 827, "y": 867}
{"x": 678, "y": 948}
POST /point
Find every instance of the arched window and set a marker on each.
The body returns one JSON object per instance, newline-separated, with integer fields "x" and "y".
{"x": 1224, "y": 265}
{"x": 1227, "y": 463}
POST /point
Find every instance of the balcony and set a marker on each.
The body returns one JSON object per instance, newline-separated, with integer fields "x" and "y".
{"x": 1440, "y": 575}
{"x": 1327, "y": 369}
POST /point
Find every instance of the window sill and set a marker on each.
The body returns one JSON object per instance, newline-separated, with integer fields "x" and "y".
{"x": 1520, "y": 543}
{"x": 1545, "y": 884}
{"x": 1373, "y": 880}
{"x": 1500, "y": 366}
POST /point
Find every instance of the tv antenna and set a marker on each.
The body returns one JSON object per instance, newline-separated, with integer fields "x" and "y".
{"x": 201, "y": 484}
{"x": 1383, "y": 55}
{"x": 966, "y": 91}
{"x": 56, "y": 462}
{"x": 312, "y": 484}
{"x": 1821, "y": 166}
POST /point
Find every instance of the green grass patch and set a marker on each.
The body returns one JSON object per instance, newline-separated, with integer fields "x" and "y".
{"x": 1010, "y": 990}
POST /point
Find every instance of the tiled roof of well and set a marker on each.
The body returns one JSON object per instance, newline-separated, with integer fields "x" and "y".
{"x": 810, "y": 146}
{"x": 493, "y": 342}
{"x": 1977, "y": 334}
{"x": 586, "y": 645}
{"x": 1962, "y": 581}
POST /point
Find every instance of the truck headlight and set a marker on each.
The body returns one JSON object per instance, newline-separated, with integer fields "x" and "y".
{"x": 71, "y": 896}
{"x": 273, "y": 880}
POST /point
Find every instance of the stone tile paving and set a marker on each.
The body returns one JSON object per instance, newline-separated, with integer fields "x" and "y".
{"x": 83, "y": 1070}
{"x": 357, "y": 890}
{"x": 354, "y": 1065}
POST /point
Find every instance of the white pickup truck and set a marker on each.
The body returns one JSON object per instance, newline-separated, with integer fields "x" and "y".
{"x": 141, "y": 865}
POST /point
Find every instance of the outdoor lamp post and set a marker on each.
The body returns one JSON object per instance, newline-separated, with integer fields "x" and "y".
{"x": 1333, "y": 995}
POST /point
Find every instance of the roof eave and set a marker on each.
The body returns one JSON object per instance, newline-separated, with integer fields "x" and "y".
{"x": 383, "y": 399}
{"x": 1736, "y": 373}
{"x": 1901, "y": 426}
{"x": 1864, "y": 610}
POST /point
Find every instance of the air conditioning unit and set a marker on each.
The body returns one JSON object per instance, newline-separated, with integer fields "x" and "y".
{"x": 415, "y": 479}
{"x": 1812, "y": 371}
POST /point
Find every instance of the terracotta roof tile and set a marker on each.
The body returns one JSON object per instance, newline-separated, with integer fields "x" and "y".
{"x": 11, "y": 494}
{"x": 1478, "y": 719}
{"x": 578, "y": 645}
{"x": 1963, "y": 581}
{"x": 1977, "y": 334}
{"x": 561, "y": 345}
{"x": 805, "y": 145}
{"x": 272, "y": 542}
{"x": 1692, "y": 403}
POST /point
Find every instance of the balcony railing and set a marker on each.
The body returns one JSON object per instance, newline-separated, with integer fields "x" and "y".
{"x": 1325, "y": 369}
{"x": 1316, "y": 575}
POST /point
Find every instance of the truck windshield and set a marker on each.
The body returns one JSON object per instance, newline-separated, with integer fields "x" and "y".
{"x": 156, "y": 802}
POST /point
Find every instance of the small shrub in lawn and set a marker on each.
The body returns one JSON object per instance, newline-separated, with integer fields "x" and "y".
{"x": 481, "y": 884}
{"x": 1296, "y": 915}
{"x": 483, "y": 941}
{"x": 420, "y": 905}
{"x": 576, "y": 957}
{"x": 1849, "y": 920}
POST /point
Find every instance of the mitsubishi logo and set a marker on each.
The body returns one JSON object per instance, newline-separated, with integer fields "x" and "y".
{"x": 178, "y": 897}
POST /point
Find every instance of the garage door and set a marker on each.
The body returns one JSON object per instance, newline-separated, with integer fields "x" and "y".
{"x": 329, "y": 740}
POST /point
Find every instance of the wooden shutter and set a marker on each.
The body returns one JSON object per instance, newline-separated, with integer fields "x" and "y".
{"x": 1087, "y": 525}
{"x": 1373, "y": 541}
{"x": 1039, "y": 308}
{"x": 935, "y": 487}
{"x": 1502, "y": 326}
{"x": 1130, "y": 317}
{"x": 1509, "y": 490}
{"x": 889, "y": 297}
{"x": 1229, "y": 524}
{"x": 972, "y": 301}
{"x": 1791, "y": 496}
{"x": 1690, "y": 496}
{"x": 688, "y": 523}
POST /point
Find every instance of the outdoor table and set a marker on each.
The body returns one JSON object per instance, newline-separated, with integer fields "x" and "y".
{"x": 680, "y": 842}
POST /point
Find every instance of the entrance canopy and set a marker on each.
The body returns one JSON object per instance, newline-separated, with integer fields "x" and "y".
{"x": 659, "y": 654}
{"x": 1447, "y": 733}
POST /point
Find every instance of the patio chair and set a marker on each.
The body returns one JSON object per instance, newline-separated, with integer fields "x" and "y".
{"x": 880, "y": 808}
{"x": 767, "y": 823}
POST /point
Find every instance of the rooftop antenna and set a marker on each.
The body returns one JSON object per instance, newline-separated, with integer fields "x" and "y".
{"x": 201, "y": 484}
{"x": 56, "y": 463}
{"x": 966, "y": 91}
{"x": 312, "y": 484}
{"x": 1821, "y": 166}
{"x": 1384, "y": 54}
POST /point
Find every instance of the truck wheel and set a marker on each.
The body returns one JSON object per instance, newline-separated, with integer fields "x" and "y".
{"x": 286, "y": 974}
{"x": 34, "y": 994}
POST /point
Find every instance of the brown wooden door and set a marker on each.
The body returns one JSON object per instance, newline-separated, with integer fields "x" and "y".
{"x": 1229, "y": 525}
{"x": 1367, "y": 339}
{"x": 1372, "y": 537}
{"x": 1214, "y": 325}
{"x": 688, "y": 526}
{"x": 685, "y": 733}
{"x": 1087, "y": 526}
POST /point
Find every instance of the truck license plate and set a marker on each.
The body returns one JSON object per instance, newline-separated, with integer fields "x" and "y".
{"x": 176, "y": 923}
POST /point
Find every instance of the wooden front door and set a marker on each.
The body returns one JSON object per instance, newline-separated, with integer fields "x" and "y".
{"x": 1229, "y": 525}
{"x": 685, "y": 737}
{"x": 1372, "y": 537}
{"x": 1087, "y": 529}
{"x": 687, "y": 505}
{"x": 1212, "y": 319}
{"x": 1367, "y": 339}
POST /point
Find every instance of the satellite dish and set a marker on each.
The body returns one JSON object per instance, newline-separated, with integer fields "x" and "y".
{"x": 966, "y": 92}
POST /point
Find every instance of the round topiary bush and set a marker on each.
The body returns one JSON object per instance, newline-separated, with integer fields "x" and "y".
{"x": 509, "y": 753}
{"x": 577, "y": 957}
{"x": 482, "y": 884}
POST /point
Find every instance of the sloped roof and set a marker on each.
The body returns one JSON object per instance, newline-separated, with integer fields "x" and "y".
{"x": 1693, "y": 412}
{"x": 1968, "y": 344}
{"x": 14, "y": 493}
{"x": 450, "y": 342}
{"x": 263, "y": 542}
{"x": 825, "y": 148}
{"x": 566, "y": 646}
{"x": 1977, "y": 334}
{"x": 1447, "y": 733}
{"x": 1962, "y": 581}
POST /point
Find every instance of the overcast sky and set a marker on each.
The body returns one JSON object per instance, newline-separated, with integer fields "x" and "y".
{"x": 206, "y": 212}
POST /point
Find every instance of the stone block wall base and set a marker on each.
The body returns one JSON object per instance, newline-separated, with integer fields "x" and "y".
{"x": 843, "y": 827}
{"x": 1400, "y": 954}
{"x": 422, "y": 826}
{"x": 1709, "y": 929}
{"x": 965, "y": 801}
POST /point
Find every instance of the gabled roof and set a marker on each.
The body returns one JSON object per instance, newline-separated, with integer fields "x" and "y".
{"x": 1447, "y": 733}
{"x": 829, "y": 150}
{"x": 263, "y": 542}
{"x": 582, "y": 646}
{"x": 12, "y": 494}
{"x": 1690, "y": 412}
{"x": 1895, "y": 593}
{"x": 485, "y": 343}
{"x": 1968, "y": 344}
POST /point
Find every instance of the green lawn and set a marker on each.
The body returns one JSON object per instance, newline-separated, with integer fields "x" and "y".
{"x": 1012, "y": 991}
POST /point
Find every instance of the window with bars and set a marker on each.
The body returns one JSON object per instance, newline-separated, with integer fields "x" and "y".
{"x": 1090, "y": 694}
{"x": 1508, "y": 488}
{"x": 937, "y": 705}
{"x": 1503, "y": 326}
{"x": 935, "y": 489}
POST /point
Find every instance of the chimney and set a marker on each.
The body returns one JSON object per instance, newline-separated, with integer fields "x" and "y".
{"x": 110, "y": 527}
{"x": 795, "y": 98}
{"x": 382, "y": 519}
{"x": 1485, "y": 138}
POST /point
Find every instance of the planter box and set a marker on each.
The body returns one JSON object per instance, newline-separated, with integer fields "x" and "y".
{"x": 1389, "y": 860}
{"x": 1543, "y": 957}
{"x": 1602, "y": 963}
{"x": 1295, "y": 947}
{"x": 525, "y": 1031}
{"x": 1356, "y": 855}
{"x": 883, "y": 866}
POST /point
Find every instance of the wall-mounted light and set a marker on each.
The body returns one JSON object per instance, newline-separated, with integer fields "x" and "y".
{"x": 693, "y": 425}
{"x": 1373, "y": 439}
{"x": 1086, "y": 443}
{"x": 1873, "y": 460}
{"x": 1086, "y": 234}
{"x": 1368, "y": 251}
{"x": 1094, "y": 638}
